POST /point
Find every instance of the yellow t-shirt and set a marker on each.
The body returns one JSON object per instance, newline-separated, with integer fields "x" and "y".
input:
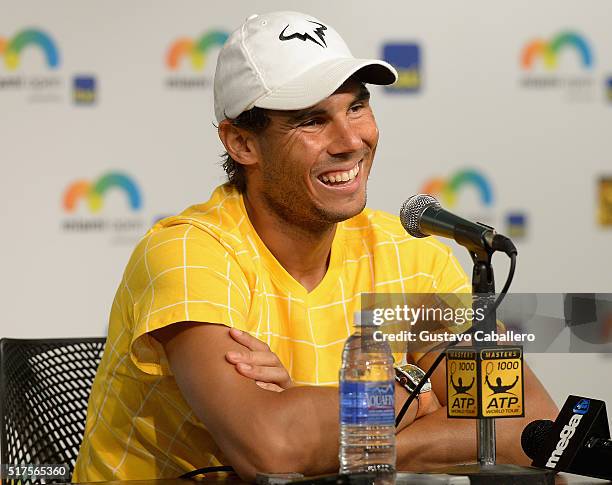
{"x": 209, "y": 265}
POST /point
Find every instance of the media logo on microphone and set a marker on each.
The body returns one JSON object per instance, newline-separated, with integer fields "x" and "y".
{"x": 568, "y": 431}
{"x": 406, "y": 58}
{"x": 193, "y": 55}
{"x": 582, "y": 407}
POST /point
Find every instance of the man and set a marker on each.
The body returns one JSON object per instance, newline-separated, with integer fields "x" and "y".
{"x": 281, "y": 255}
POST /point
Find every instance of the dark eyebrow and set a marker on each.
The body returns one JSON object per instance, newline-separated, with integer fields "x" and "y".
{"x": 301, "y": 115}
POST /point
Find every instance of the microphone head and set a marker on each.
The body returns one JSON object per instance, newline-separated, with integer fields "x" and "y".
{"x": 533, "y": 436}
{"x": 412, "y": 210}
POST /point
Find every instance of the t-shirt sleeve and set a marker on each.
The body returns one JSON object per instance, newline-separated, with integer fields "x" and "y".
{"x": 177, "y": 274}
{"x": 449, "y": 279}
{"x": 450, "y": 276}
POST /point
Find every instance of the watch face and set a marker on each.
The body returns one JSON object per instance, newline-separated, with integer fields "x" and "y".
{"x": 416, "y": 374}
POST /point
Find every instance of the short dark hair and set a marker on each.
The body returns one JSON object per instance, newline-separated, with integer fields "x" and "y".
{"x": 254, "y": 120}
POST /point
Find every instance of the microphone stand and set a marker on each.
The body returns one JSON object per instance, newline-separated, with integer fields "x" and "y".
{"x": 483, "y": 290}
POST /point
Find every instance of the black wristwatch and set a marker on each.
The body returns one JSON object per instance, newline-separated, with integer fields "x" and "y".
{"x": 409, "y": 376}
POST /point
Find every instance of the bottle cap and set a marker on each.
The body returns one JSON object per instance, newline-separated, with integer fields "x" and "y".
{"x": 364, "y": 318}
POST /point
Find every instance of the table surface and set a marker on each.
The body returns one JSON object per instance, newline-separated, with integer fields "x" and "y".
{"x": 560, "y": 479}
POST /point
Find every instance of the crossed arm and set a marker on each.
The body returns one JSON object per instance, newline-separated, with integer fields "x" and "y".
{"x": 297, "y": 430}
{"x": 434, "y": 441}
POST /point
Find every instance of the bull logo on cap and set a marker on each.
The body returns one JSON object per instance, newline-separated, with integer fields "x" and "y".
{"x": 304, "y": 33}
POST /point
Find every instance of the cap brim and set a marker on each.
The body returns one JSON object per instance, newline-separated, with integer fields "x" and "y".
{"x": 321, "y": 81}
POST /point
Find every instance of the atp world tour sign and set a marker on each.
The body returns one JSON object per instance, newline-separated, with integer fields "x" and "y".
{"x": 485, "y": 383}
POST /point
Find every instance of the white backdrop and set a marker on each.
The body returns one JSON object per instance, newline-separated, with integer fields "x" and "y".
{"x": 542, "y": 150}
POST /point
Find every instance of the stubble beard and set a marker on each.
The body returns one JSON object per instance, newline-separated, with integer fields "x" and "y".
{"x": 300, "y": 213}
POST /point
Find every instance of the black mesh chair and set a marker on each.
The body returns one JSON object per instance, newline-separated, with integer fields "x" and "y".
{"x": 44, "y": 389}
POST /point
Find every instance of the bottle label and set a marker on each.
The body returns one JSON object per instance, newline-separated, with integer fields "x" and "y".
{"x": 369, "y": 403}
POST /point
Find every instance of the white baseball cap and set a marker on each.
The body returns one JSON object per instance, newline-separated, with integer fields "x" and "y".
{"x": 286, "y": 61}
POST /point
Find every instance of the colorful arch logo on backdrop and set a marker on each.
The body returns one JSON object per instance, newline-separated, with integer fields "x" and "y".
{"x": 195, "y": 50}
{"x": 549, "y": 51}
{"x": 12, "y": 48}
{"x": 94, "y": 192}
{"x": 448, "y": 188}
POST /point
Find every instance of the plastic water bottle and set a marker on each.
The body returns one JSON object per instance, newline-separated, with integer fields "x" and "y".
{"x": 367, "y": 396}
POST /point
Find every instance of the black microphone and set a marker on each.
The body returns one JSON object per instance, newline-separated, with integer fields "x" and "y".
{"x": 578, "y": 441}
{"x": 422, "y": 216}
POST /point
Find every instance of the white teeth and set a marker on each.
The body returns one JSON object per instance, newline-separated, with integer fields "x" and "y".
{"x": 341, "y": 177}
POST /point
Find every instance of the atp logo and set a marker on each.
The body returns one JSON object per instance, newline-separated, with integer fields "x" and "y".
{"x": 196, "y": 50}
{"x": 11, "y": 49}
{"x": 461, "y": 383}
{"x": 449, "y": 188}
{"x": 549, "y": 51}
{"x": 94, "y": 192}
{"x": 303, "y": 32}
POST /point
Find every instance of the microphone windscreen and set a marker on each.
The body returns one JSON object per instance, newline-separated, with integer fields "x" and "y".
{"x": 533, "y": 437}
{"x": 412, "y": 210}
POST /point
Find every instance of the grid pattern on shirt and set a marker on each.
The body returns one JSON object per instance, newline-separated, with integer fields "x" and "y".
{"x": 209, "y": 265}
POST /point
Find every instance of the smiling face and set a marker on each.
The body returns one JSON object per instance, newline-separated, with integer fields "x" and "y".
{"x": 314, "y": 163}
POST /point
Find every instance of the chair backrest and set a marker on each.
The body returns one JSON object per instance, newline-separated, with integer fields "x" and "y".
{"x": 44, "y": 390}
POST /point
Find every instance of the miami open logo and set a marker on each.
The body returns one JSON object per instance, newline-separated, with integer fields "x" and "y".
{"x": 195, "y": 53}
{"x": 92, "y": 195}
{"x": 448, "y": 188}
{"x": 29, "y": 61}
{"x": 194, "y": 50}
{"x": 94, "y": 192}
{"x": 11, "y": 49}
{"x": 565, "y": 61}
{"x": 548, "y": 52}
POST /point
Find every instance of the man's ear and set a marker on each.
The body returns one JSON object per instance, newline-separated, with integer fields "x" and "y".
{"x": 239, "y": 143}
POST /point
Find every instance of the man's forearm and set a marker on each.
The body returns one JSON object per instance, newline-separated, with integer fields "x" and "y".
{"x": 435, "y": 441}
{"x": 311, "y": 417}
{"x": 307, "y": 418}
{"x": 257, "y": 430}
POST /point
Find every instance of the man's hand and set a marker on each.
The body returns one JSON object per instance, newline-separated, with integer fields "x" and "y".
{"x": 258, "y": 362}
